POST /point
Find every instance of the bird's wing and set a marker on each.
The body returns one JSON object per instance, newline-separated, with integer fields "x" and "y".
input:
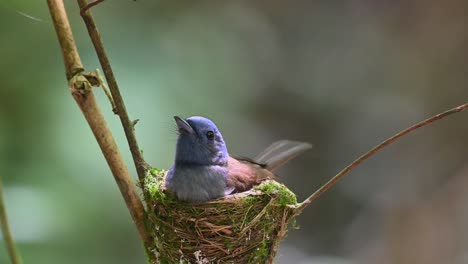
{"x": 248, "y": 160}
{"x": 243, "y": 175}
{"x": 280, "y": 152}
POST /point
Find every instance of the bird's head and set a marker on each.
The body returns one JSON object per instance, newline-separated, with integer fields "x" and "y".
{"x": 199, "y": 142}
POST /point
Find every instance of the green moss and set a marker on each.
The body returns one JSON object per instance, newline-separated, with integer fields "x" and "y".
{"x": 262, "y": 251}
{"x": 156, "y": 172}
{"x": 153, "y": 183}
{"x": 244, "y": 229}
{"x": 284, "y": 195}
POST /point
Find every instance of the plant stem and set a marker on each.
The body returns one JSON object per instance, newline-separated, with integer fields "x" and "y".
{"x": 140, "y": 164}
{"x": 90, "y": 109}
{"x": 120, "y": 109}
{"x": 88, "y": 6}
{"x": 371, "y": 152}
{"x": 12, "y": 251}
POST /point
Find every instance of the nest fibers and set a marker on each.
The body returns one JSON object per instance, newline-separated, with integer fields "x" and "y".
{"x": 240, "y": 228}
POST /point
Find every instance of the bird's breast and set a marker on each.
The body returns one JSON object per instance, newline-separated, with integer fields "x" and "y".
{"x": 197, "y": 183}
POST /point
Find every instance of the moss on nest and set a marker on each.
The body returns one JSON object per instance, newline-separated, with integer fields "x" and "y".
{"x": 239, "y": 228}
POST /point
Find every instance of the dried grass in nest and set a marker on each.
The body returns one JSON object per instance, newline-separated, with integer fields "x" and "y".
{"x": 240, "y": 228}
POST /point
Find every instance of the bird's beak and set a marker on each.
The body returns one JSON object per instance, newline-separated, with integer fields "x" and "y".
{"x": 183, "y": 125}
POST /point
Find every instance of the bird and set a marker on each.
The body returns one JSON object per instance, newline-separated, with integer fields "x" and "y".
{"x": 203, "y": 170}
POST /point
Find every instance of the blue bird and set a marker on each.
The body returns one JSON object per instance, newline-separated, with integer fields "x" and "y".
{"x": 203, "y": 169}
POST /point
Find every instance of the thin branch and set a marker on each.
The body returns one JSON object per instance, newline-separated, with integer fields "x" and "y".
{"x": 371, "y": 152}
{"x": 12, "y": 251}
{"x": 82, "y": 93}
{"x": 140, "y": 164}
{"x": 88, "y": 6}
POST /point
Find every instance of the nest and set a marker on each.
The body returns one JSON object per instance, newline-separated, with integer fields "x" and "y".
{"x": 240, "y": 228}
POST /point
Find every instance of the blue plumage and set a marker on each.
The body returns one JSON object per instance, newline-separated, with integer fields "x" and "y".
{"x": 203, "y": 169}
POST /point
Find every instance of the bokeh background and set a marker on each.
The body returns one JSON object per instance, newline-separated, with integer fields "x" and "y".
{"x": 343, "y": 75}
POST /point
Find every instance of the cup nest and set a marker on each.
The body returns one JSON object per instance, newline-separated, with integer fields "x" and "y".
{"x": 240, "y": 228}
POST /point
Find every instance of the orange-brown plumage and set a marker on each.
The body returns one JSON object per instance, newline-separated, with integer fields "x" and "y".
{"x": 243, "y": 175}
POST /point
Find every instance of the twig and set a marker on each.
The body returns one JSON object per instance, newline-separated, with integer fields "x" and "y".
{"x": 104, "y": 87}
{"x": 140, "y": 164}
{"x": 84, "y": 96}
{"x": 88, "y": 6}
{"x": 371, "y": 152}
{"x": 12, "y": 251}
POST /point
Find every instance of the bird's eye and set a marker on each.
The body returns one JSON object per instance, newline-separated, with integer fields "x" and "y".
{"x": 210, "y": 135}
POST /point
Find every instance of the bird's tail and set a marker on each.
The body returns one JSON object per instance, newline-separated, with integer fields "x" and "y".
{"x": 280, "y": 152}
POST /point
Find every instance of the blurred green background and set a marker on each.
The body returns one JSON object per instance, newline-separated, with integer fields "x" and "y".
{"x": 343, "y": 75}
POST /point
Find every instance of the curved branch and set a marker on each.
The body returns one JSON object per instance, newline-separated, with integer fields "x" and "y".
{"x": 371, "y": 152}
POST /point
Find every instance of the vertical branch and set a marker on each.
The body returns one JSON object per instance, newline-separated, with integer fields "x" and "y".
{"x": 14, "y": 254}
{"x": 84, "y": 96}
{"x": 140, "y": 164}
{"x": 71, "y": 58}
